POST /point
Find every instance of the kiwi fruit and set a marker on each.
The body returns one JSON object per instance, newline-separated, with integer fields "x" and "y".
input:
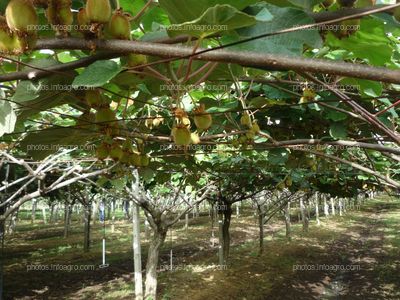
{"x": 59, "y": 14}
{"x": 135, "y": 60}
{"x": 195, "y": 139}
{"x": 119, "y": 26}
{"x": 202, "y": 120}
{"x": 98, "y": 11}
{"x": 116, "y": 151}
{"x": 103, "y": 151}
{"x": 245, "y": 120}
{"x": 95, "y": 99}
{"x": 181, "y": 135}
{"x": 21, "y": 17}
{"x": 6, "y": 37}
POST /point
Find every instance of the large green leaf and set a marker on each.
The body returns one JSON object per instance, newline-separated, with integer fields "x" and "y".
{"x": 219, "y": 18}
{"x": 291, "y": 44}
{"x": 188, "y": 10}
{"x": 8, "y": 116}
{"x": 39, "y": 145}
{"x": 338, "y": 131}
{"x": 369, "y": 43}
{"x": 98, "y": 74}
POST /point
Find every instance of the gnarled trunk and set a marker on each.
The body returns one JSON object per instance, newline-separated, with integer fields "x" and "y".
{"x": 225, "y": 230}
{"x": 86, "y": 242}
{"x": 260, "y": 210}
{"x": 287, "y": 222}
{"x": 304, "y": 216}
{"x": 156, "y": 243}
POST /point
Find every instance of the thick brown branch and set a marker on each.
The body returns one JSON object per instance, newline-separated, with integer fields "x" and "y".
{"x": 244, "y": 58}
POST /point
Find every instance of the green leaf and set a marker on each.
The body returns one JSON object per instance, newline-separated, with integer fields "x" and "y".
{"x": 336, "y": 115}
{"x": 278, "y": 156}
{"x": 369, "y": 43}
{"x": 41, "y": 144}
{"x": 8, "y": 117}
{"x": 291, "y": 44}
{"x": 220, "y": 18}
{"x": 185, "y": 11}
{"x": 97, "y": 74}
{"x": 338, "y": 131}
{"x": 367, "y": 88}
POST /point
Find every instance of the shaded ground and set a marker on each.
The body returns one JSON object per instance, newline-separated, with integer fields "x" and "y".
{"x": 364, "y": 247}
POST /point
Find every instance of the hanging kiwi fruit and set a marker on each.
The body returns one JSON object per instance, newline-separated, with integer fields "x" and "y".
{"x": 181, "y": 135}
{"x": 95, "y": 99}
{"x": 6, "y": 37}
{"x": 107, "y": 121}
{"x": 98, "y": 11}
{"x": 21, "y": 17}
{"x": 136, "y": 60}
{"x": 202, "y": 119}
{"x": 245, "y": 120}
{"x": 103, "y": 151}
{"x": 119, "y": 26}
{"x": 59, "y": 14}
{"x": 195, "y": 139}
{"x": 22, "y": 20}
{"x": 116, "y": 151}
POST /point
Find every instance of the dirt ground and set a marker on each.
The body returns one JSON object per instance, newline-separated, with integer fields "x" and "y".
{"x": 356, "y": 256}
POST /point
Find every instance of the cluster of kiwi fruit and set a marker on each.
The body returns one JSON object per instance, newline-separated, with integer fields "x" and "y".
{"x": 181, "y": 133}
{"x": 286, "y": 183}
{"x": 18, "y": 29}
{"x": 252, "y": 130}
{"x": 108, "y": 125}
{"x": 123, "y": 152}
{"x": 308, "y": 95}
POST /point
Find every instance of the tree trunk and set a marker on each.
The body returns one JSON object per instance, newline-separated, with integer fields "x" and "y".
{"x": 186, "y": 222}
{"x": 317, "y": 208}
{"x": 333, "y": 206}
{"x": 44, "y": 215}
{"x": 86, "y": 242}
{"x": 261, "y": 228}
{"x": 2, "y": 234}
{"x": 146, "y": 230}
{"x": 227, "y": 213}
{"x": 156, "y": 243}
{"x": 67, "y": 219}
{"x": 126, "y": 210}
{"x": 113, "y": 216}
{"x": 304, "y": 216}
{"x": 221, "y": 259}
{"x": 326, "y": 208}
{"x": 33, "y": 215}
{"x": 287, "y": 223}
{"x": 137, "y": 252}
{"x": 95, "y": 211}
{"x": 51, "y": 218}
